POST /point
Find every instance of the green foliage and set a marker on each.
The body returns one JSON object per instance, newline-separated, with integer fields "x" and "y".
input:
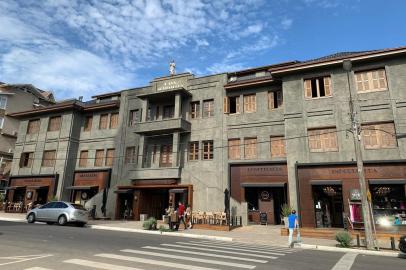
{"x": 286, "y": 210}
{"x": 150, "y": 224}
{"x": 344, "y": 239}
{"x": 2, "y": 197}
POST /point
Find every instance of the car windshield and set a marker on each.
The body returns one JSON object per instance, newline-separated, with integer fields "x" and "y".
{"x": 78, "y": 206}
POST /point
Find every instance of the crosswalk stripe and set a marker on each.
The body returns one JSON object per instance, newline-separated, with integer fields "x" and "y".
{"x": 234, "y": 248}
{"x": 185, "y": 258}
{"x": 207, "y": 254}
{"x": 222, "y": 251}
{"x": 154, "y": 262}
{"x": 268, "y": 248}
{"x": 37, "y": 268}
{"x": 237, "y": 244}
{"x": 99, "y": 265}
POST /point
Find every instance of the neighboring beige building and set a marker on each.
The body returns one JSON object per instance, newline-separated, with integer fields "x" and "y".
{"x": 14, "y": 98}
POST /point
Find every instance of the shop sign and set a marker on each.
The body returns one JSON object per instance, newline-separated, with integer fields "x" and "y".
{"x": 265, "y": 196}
{"x": 355, "y": 194}
{"x": 264, "y": 170}
{"x": 31, "y": 181}
{"x": 29, "y": 195}
{"x": 99, "y": 178}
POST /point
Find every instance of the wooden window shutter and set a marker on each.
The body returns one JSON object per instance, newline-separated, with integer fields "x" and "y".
{"x": 327, "y": 85}
{"x": 308, "y": 88}
{"x": 271, "y": 104}
{"x": 382, "y": 79}
{"x": 226, "y": 107}
{"x": 360, "y": 85}
{"x": 237, "y": 104}
{"x": 365, "y": 81}
{"x": 375, "y": 79}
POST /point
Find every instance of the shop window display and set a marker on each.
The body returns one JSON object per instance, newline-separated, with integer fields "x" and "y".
{"x": 389, "y": 204}
{"x": 328, "y": 204}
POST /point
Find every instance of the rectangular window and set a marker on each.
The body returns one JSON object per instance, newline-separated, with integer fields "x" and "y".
{"x": 169, "y": 112}
{"x": 48, "y": 159}
{"x": 26, "y": 160}
{"x": 130, "y": 155}
{"x": 318, "y": 87}
{"x": 208, "y": 108}
{"x": 166, "y": 156}
{"x": 103, "y": 121}
{"x": 231, "y": 105}
{"x": 323, "y": 140}
{"x": 33, "y": 126}
{"x": 194, "y": 151}
{"x": 275, "y": 99}
{"x": 250, "y": 148}
{"x": 88, "y": 123}
{"x": 109, "y": 157}
{"x": 372, "y": 80}
{"x": 278, "y": 147}
{"x": 207, "y": 150}
{"x": 379, "y": 136}
{"x": 54, "y": 123}
{"x": 3, "y": 102}
{"x": 98, "y": 161}
{"x": 135, "y": 117}
{"x": 250, "y": 103}
{"x": 83, "y": 159}
{"x": 113, "y": 120}
{"x": 194, "y": 109}
{"x": 234, "y": 149}
{"x": 1, "y": 122}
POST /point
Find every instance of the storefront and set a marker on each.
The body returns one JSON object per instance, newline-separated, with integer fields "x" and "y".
{"x": 329, "y": 194}
{"x": 87, "y": 184}
{"x": 30, "y": 190}
{"x": 150, "y": 198}
{"x": 263, "y": 186}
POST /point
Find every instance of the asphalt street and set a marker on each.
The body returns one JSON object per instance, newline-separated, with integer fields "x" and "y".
{"x": 51, "y": 247}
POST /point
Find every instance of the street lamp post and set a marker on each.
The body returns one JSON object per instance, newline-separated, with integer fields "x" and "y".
{"x": 356, "y": 132}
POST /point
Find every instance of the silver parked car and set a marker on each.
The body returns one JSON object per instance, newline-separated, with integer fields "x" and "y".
{"x": 60, "y": 212}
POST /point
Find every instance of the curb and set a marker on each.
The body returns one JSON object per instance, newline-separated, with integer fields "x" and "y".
{"x": 12, "y": 219}
{"x": 196, "y": 236}
{"x": 350, "y": 250}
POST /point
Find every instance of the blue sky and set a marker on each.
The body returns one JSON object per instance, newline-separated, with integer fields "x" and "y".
{"x": 81, "y": 48}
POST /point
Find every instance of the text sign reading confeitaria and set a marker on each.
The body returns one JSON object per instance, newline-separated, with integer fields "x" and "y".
{"x": 170, "y": 85}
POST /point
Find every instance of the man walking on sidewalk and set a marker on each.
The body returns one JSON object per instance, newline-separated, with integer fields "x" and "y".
{"x": 293, "y": 224}
{"x": 181, "y": 214}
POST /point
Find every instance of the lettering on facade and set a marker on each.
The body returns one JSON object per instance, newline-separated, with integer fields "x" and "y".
{"x": 274, "y": 170}
{"x": 352, "y": 171}
{"x": 170, "y": 85}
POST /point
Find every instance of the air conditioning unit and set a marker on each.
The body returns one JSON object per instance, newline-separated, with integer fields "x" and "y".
{"x": 10, "y": 150}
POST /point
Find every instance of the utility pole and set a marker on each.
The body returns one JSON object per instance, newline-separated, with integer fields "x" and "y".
{"x": 356, "y": 132}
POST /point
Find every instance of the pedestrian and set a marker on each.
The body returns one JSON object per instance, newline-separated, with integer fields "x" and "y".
{"x": 293, "y": 224}
{"x": 170, "y": 211}
{"x": 188, "y": 217}
{"x": 181, "y": 214}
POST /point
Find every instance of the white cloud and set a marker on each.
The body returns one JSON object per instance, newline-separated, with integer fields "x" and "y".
{"x": 252, "y": 29}
{"x": 69, "y": 73}
{"x": 286, "y": 23}
{"x": 225, "y": 67}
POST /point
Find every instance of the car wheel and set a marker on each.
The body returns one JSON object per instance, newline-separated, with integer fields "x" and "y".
{"x": 80, "y": 224}
{"x": 50, "y": 223}
{"x": 62, "y": 220}
{"x": 31, "y": 218}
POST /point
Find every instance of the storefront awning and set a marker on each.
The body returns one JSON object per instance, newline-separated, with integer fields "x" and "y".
{"x": 177, "y": 190}
{"x": 81, "y": 187}
{"x": 15, "y": 187}
{"x": 275, "y": 184}
{"x": 124, "y": 191}
{"x": 387, "y": 181}
{"x": 326, "y": 182}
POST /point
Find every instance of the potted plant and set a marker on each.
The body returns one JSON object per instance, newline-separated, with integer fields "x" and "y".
{"x": 285, "y": 212}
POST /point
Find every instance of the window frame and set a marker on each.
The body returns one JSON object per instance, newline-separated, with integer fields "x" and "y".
{"x": 26, "y": 159}
{"x": 83, "y": 161}
{"x": 38, "y": 126}
{"x": 370, "y": 80}
{"x": 194, "y": 109}
{"x": 210, "y": 108}
{"x": 168, "y": 109}
{"x": 193, "y": 151}
{"x": 47, "y": 161}
{"x": 98, "y": 158}
{"x": 113, "y": 123}
{"x": 87, "y": 125}
{"x": 234, "y": 149}
{"x": 317, "y": 78}
{"x": 275, "y": 97}
{"x": 281, "y": 153}
{"x": 166, "y": 156}
{"x": 52, "y": 126}
{"x": 250, "y": 106}
{"x": 380, "y": 136}
{"x": 208, "y": 150}
{"x": 134, "y": 117}
{"x": 250, "y": 149}
{"x": 109, "y": 160}
{"x": 130, "y": 156}
{"x": 3, "y": 100}
{"x": 105, "y": 124}
{"x": 322, "y": 140}
{"x": 1, "y": 122}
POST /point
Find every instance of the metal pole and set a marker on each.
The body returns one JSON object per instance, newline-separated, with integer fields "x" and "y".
{"x": 356, "y": 132}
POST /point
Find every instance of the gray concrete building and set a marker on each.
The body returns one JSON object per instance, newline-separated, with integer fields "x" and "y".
{"x": 14, "y": 98}
{"x": 272, "y": 135}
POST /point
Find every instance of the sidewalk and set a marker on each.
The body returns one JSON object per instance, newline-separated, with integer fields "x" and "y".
{"x": 253, "y": 234}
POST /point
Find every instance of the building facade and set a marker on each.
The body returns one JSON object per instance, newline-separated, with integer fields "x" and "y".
{"x": 271, "y": 135}
{"x": 14, "y": 98}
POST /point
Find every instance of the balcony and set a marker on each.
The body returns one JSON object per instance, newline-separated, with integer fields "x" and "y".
{"x": 163, "y": 126}
{"x": 155, "y": 173}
